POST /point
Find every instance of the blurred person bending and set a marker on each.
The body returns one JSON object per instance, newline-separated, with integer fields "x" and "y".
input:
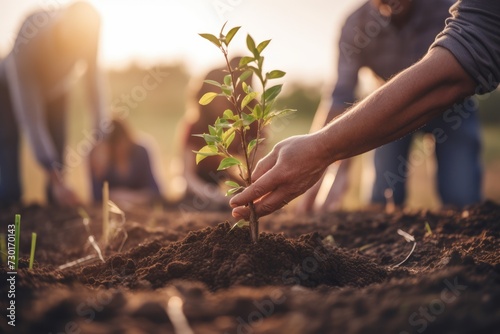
{"x": 35, "y": 79}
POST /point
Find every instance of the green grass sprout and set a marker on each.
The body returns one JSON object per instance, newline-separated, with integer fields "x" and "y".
{"x": 86, "y": 221}
{"x": 428, "y": 228}
{"x": 32, "y": 252}
{"x": 17, "y": 235}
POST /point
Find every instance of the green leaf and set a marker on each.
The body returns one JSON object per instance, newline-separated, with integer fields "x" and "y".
{"x": 245, "y": 75}
{"x": 206, "y": 151}
{"x": 227, "y": 90}
{"x": 280, "y": 113}
{"x": 245, "y": 60}
{"x": 228, "y": 137}
{"x": 244, "y": 86}
{"x": 228, "y": 80}
{"x": 241, "y": 223}
{"x": 238, "y": 122}
{"x": 233, "y": 191}
{"x": 222, "y": 29}
{"x": 257, "y": 112}
{"x": 251, "y": 46}
{"x": 247, "y": 119}
{"x": 247, "y": 99}
{"x": 207, "y": 98}
{"x": 212, "y": 39}
{"x": 211, "y": 139}
{"x": 271, "y": 93}
{"x": 228, "y": 114}
{"x": 252, "y": 143}
{"x": 232, "y": 184}
{"x": 221, "y": 123}
{"x": 228, "y": 162}
{"x": 230, "y": 34}
{"x": 212, "y": 82}
{"x": 262, "y": 45}
{"x": 212, "y": 130}
{"x": 275, "y": 74}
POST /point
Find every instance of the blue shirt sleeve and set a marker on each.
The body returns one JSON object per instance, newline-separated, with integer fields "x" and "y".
{"x": 472, "y": 35}
{"x": 349, "y": 64}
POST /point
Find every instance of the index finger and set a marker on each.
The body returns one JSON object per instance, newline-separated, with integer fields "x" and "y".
{"x": 265, "y": 184}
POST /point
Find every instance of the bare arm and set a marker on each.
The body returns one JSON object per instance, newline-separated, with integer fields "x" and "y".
{"x": 404, "y": 104}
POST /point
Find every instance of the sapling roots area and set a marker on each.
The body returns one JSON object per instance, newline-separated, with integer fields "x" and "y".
{"x": 167, "y": 271}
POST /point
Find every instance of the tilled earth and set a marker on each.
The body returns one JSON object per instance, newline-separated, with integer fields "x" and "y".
{"x": 179, "y": 272}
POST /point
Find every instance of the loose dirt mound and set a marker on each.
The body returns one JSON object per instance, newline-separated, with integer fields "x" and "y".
{"x": 220, "y": 257}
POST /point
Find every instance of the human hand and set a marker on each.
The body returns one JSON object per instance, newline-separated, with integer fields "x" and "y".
{"x": 293, "y": 166}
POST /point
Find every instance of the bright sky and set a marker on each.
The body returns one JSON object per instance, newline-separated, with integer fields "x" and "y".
{"x": 303, "y": 33}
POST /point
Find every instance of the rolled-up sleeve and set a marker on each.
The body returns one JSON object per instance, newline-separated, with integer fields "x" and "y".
{"x": 472, "y": 35}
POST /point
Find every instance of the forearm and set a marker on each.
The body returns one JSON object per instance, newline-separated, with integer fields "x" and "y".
{"x": 401, "y": 106}
{"x": 28, "y": 105}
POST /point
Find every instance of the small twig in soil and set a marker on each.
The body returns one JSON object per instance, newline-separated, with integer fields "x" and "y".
{"x": 91, "y": 238}
{"x": 365, "y": 247}
{"x": 177, "y": 317}
{"x": 409, "y": 238}
{"x": 105, "y": 214}
{"x": 116, "y": 228}
{"x": 84, "y": 260}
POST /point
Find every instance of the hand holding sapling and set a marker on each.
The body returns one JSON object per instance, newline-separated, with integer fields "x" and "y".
{"x": 276, "y": 181}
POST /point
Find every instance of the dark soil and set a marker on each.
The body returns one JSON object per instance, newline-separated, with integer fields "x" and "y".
{"x": 332, "y": 273}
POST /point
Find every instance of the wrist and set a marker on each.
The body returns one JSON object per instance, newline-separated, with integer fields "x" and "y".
{"x": 323, "y": 143}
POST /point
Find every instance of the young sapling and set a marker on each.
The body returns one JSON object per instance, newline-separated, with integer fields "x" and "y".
{"x": 254, "y": 108}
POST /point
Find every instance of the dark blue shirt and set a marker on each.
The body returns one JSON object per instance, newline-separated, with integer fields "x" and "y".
{"x": 369, "y": 39}
{"x": 472, "y": 35}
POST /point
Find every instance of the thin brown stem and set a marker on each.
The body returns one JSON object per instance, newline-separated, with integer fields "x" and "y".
{"x": 254, "y": 223}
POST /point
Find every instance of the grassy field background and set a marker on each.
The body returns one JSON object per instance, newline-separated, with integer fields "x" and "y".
{"x": 155, "y": 116}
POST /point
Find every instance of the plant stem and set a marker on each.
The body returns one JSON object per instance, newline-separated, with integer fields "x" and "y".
{"x": 254, "y": 222}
